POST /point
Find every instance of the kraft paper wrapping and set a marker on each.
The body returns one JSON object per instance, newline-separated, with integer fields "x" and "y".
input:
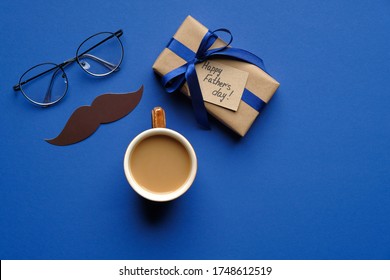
{"x": 191, "y": 33}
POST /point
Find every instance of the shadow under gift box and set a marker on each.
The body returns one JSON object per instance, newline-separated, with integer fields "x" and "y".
{"x": 190, "y": 34}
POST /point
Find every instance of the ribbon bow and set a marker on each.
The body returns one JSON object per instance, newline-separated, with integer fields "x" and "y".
{"x": 174, "y": 80}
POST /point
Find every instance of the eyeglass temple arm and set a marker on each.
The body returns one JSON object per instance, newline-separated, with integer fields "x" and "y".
{"x": 62, "y": 65}
{"x": 17, "y": 86}
{"x": 47, "y": 98}
{"x": 103, "y": 62}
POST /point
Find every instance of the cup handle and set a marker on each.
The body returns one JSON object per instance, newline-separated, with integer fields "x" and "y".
{"x": 158, "y": 118}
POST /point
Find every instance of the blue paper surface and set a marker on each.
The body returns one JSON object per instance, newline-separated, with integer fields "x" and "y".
{"x": 310, "y": 180}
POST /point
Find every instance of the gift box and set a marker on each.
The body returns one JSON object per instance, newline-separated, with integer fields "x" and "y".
{"x": 195, "y": 47}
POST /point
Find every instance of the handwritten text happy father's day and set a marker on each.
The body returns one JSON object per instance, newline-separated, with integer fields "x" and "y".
{"x": 213, "y": 77}
{"x": 221, "y": 84}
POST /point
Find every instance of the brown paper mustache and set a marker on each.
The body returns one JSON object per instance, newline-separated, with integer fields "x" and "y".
{"x": 105, "y": 108}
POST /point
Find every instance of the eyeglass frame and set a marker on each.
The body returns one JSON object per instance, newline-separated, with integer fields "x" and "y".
{"x": 61, "y": 66}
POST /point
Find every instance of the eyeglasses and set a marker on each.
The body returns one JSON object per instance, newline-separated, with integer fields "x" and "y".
{"x": 47, "y": 83}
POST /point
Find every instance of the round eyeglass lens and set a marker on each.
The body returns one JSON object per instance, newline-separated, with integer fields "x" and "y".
{"x": 101, "y": 54}
{"x": 44, "y": 84}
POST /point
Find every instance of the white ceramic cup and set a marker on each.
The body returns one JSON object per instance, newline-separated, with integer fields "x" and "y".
{"x": 158, "y": 124}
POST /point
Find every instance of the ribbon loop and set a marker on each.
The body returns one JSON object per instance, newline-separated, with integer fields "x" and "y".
{"x": 225, "y": 31}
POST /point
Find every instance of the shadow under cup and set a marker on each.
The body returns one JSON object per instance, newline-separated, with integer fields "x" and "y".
{"x": 160, "y": 164}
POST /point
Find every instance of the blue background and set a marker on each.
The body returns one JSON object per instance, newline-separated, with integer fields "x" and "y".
{"x": 310, "y": 180}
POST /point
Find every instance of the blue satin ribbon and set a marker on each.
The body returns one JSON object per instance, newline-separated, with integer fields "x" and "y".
{"x": 174, "y": 80}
